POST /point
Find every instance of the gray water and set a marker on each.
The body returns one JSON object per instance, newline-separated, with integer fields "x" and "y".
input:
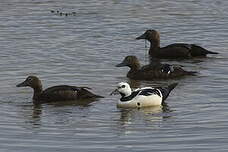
{"x": 83, "y": 50}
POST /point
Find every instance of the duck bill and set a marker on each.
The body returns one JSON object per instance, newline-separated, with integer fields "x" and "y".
{"x": 23, "y": 84}
{"x": 114, "y": 92}
{"x": 141, "y": 37}
{"x": 122, "y": 64}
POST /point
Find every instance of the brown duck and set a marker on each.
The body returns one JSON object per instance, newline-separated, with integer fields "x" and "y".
{"x": 152, "y": 71}
{"x": 56, "y": 93}
{"x": 172, "y": 51}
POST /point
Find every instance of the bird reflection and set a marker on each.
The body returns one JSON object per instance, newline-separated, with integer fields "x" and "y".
{"x": 32, "y": 113}
{"x": 81, "y": 103}
{"x": 146, "y": 114}
{"x": 37, "y": 111}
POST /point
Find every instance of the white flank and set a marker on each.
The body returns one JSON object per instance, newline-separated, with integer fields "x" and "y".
{"x": 141, "y": 101}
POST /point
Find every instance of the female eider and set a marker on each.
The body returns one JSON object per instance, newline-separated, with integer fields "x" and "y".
{"x": 142, "y": 97}
{"x": 56, "y": 93}
{"x": 152, "y": 71}
{"x": 173, "y": 51}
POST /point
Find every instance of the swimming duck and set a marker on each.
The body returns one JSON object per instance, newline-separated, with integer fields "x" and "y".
{"x": 56, "y": 93}
{"x": 152, "y": 71}
{"x": 142, "y": 97}
{"x": 172, "y": 51}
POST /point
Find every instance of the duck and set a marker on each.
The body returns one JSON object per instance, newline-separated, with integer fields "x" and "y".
{"x": 142, "y": 97}
{"x": 172, "y": 51}
{"x": 152, "y": 71}
{"x": 56, "y": 93}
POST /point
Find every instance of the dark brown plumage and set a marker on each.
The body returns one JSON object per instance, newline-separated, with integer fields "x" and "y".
{"x": 152, "y": 71}
{"x": 173, "y": 51}
{"x": 56, "y": 93}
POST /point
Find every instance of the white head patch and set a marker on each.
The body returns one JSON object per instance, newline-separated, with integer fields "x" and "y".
{"x": 124, "y": 88}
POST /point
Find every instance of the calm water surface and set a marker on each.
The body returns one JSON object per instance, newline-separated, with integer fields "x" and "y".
{"x": 83, "y": 49}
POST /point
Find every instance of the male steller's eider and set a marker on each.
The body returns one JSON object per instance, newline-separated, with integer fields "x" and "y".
{"x": 142, "y": 97}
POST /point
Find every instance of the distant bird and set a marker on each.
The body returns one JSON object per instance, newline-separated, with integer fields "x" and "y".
{"x": 152, "y": 71}
{"x": 63, "y": 14}
{"x": 142, "y": 97}
{"x": 173, "y": 51}
{"x": 73, "y": 13}
{"x": 56, "y": 93}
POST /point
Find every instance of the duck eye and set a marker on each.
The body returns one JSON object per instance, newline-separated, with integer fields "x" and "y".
{"x": 29, "y": 79}
{"x": 123, "y": 86}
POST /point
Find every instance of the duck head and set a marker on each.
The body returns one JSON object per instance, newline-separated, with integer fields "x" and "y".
{"x": 130, "y": 61}
{"x": 150, "y": 35}
{"x": 123, "y": 89}
{"x": 31, "y": 81}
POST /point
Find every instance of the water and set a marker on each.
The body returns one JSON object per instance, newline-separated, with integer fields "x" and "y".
{"x": 83, "y": 49}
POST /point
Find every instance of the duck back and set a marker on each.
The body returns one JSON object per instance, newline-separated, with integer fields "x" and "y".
{"x": 172, "y": 52}
{"x": 64, "y": 93}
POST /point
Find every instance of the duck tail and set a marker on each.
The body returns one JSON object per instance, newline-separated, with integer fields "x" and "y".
{"x": 98, "y": 96}
{"x": 166, "y": 90}
{"x": 210, "y": 52}
{"x": 202, "y": 50}
{"x": 193, "y": 73}
{"x": 172, "y": 86}
{"x": 84, "y": 93}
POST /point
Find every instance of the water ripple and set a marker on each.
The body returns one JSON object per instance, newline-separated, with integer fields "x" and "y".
{"x": 83, "y": 49}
